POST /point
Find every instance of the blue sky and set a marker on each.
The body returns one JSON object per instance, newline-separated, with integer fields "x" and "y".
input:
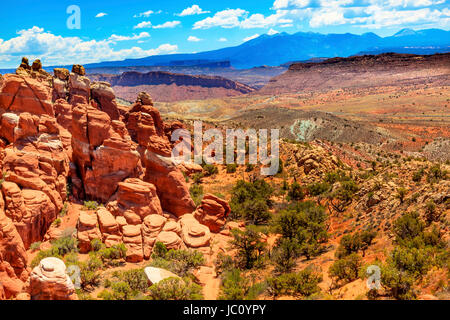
{"x": 116, "y": 30}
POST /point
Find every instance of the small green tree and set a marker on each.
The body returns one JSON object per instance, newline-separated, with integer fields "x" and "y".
{"x": 301, "y": 284}
{"x": 295, "y": 192}
{"x": 346, "y": 269}
{"x": 250, "y": 247}
{"x": 284, "y": 255}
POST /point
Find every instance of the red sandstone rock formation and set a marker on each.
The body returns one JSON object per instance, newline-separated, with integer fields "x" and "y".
{"x": 87, "y": 230}
{"x": 13, "y": 258}
{"x": 49, "y": 281}
{"x": 102, "y": 151}
{"x": 147, "y": 129}
{"x": 212, "y": 212}
{"x": 34, "y": 160}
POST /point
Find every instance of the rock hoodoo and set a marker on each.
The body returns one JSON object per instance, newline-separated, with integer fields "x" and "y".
{"x": 49, "y": 281}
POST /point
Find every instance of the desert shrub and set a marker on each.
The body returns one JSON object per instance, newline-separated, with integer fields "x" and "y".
{"x": 417, "y": 175}
{"x": 346, "y": 269}
{"x": 318, "y": 188}
{"x": 180, "y": 262}
{"x": 4, "y": 175}
{"x": 414, "y": 261}
{"x": 64, "y": 245}
{"x": 249, "y": 167}
{"x": 336, "y": 176}
{"x": 113, "y": 255}
{"x": 57, "y": 222}
{"x": 136, "y": 279}
{"x": 398, "y": 284}
{"x": 71, "y": 259}
{"x": 401, "y": 194}
{"x": 431, "y": 214}
{"x": 63, "y": 211}
{"x": 295, "y": 192}
{"x": 235, "y": 286}
{"x": 90, "y": 277}
{"x": 196, "y": 192}
{"x": 159, "y": 250}
{"x": 251, "y": 201}
{"x": 231, "y": 168}
{"x": 436, "y": 173}
{"x": 90, "y": 205}
{"x": 197, "y": 177}
{"x": 35, "y": 246}
{"x": 119, "y": 291}
{"x": 280, "y": 166}
{"x": 223, "y": 263}
{"x": 250, "y": 247}
{"x": 210, "y": 169}
{"x": 97, "y": 245}
{"x": 408, "y": 230}
{"x": 301, "y": 284}
{"x": 68, "y": 232}
{"x": 44, "y": 254}
{"x": 284, "y": 255}
{"x": 433, "y": 239}
{"x": 176, "y": 289}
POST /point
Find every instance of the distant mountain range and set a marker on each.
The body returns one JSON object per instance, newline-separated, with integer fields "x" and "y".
{"x": 280, "y": 48}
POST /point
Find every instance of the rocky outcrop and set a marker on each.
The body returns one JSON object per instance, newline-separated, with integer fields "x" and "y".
{"x": 152, "y": 226}
{"x": 49, "y": 281}
{"x": 104, "y": 95}
{"x": 194, "y": 234}
{"x": 135, "y": 199}
{"x": 13, "y": 258}
{"x": 34, "y": 158}
{"x": 88, "y": 230}
{"x": 102, "y": 151}
{"x": 24, "y": 94}
{"x": 35, "y": 70}
{"x": 109, "y": 227}
{"x": 146, "y": 128}
{"x": 132, "y": 240}
{"x": 213, "y": 212}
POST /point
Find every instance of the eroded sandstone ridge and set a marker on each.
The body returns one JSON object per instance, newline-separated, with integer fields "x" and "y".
{"x": 61, "y": 133}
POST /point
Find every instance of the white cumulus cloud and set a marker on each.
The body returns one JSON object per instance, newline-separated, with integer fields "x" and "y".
{"x": 36, "y": 43}
{"x": 226, "y": 19}
{"x": 146, "y": 14}
{"x": 195, "y": 9}
{"x": 143, "y": 24}
{"x": 194, "y": 39}
{"x": 168, "y": 24}
{"x": 101, "y": 14}
{"x": 142, "y": 35}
